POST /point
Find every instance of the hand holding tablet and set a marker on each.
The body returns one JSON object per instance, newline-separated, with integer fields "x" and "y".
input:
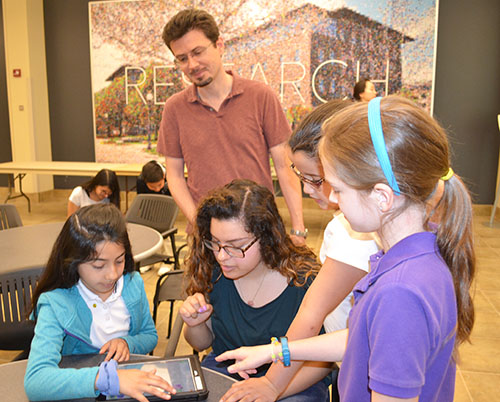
{"x": 180, "y": 375}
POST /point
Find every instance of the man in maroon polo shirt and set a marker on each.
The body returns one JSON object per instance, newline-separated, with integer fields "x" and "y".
{"x": 223, "y": 126}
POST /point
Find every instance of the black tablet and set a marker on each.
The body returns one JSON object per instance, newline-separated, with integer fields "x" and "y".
{"x": 183, "y": 373}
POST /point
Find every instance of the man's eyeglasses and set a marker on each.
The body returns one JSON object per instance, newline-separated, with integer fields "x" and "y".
{"x": 182, "y": 59}
{"x": 238, "y": 252}
{"x": 312, "y": 182}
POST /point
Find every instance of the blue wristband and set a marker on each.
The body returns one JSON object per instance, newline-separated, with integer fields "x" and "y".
{"x": 108, "y": 382}
{"x": 285, "y": 351}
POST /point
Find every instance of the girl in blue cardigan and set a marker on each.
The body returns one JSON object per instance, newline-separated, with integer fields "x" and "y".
{"x": 90, "y": 300}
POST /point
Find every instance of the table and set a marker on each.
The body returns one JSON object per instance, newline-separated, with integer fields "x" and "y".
{"x": 20, "y": 169}
{"x": 12, "y": 382}
{"x": 29, "y": 246}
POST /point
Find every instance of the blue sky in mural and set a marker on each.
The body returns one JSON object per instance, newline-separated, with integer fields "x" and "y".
{"x": 375, "y": 9}
{"x": 415, "y": 18}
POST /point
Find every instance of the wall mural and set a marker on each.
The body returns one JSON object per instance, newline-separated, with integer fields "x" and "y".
{"x": 308, "y": 51}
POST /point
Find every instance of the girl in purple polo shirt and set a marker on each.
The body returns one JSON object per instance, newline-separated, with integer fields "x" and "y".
{"x": 385, "y": 161}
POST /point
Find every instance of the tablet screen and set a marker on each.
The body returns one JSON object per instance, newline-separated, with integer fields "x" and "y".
{"x": 177, "y": 372}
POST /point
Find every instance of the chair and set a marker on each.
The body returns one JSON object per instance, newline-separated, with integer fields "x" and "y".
{"x": 168, "y": 288}
{"x": 158, "y": 212}
{"x": 16, "y": 290}
{"x": 173, "y": 340}
{"x": 9, "y": 217}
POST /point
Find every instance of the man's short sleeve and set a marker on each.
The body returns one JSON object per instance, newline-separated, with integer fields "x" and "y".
{"x": 275, "y": 125}
{"x": 168, "y": 139}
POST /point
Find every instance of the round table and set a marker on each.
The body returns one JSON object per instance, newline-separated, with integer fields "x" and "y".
{"x": 12, "y": 382}
{"x": 30, "y": 246}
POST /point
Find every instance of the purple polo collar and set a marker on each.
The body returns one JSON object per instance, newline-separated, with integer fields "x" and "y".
{"x": 410, "y": 247}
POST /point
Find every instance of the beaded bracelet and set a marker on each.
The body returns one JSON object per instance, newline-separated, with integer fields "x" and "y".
{"x": 285, "y": 351}
{"x": 275, "y": 356}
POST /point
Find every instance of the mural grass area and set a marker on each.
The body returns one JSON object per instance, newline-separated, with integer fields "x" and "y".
{"x": 308, "y": 52}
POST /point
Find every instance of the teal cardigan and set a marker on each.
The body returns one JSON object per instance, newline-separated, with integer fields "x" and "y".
{"x": 63, "y": 328}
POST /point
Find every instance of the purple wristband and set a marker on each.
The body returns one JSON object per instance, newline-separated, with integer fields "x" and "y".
{"x": 108, "y": 382}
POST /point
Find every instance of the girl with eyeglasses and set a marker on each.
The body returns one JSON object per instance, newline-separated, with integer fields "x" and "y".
{"x": 344, "y": 252}
{"x": 245, "y": 278}
{"x": 385, "y": 161}
{"x": 344, "y": 255}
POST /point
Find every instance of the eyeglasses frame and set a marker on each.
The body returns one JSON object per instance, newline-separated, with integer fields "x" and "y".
{"x": 192, "y": 54}
{"x": 243, "y": 249}
{"x": 316, "y": 183}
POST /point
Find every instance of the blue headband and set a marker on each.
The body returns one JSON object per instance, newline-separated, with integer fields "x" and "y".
{"x": 375, "y": 124}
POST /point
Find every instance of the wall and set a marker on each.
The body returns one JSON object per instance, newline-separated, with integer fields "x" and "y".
{"x": 5, "y": 145}
{"x": 68, "y": 76}
{"x": 467, "y": 92}
{"x": 27, "y": 94}
{"x": 468, "y": 89}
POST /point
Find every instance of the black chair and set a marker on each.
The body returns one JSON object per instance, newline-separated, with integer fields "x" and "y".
{"x": 9, "y": 217}
{"x": 168, "y": 288}
{"x": 158, "y": 212}
{"x": 174, "y": 337}
{"x": 16, "y": 290}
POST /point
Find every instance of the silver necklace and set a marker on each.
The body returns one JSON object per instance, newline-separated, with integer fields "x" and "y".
{"x": 251, "y": 301}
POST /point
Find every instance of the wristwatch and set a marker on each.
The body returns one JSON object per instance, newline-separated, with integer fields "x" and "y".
{"x": 299, "y": 233}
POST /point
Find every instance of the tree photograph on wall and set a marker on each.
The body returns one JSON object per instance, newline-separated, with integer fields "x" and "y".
{"x": 308, "y": 52}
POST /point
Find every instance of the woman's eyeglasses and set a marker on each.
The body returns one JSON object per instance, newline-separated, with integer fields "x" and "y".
{"x": 313, "y": 182}
{"x": 237, "y": 252}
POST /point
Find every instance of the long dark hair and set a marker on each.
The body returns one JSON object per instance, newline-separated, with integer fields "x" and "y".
{"x": 255, "y": 206}
{"x": 77, "y": 243}
{"x": 419, "y": 155}
{"x": 105, "y": 177}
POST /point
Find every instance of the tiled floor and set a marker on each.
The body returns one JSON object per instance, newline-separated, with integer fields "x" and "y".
{"x": 478, "y": 377}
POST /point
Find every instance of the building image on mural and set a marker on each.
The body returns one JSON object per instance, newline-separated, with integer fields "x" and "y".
{"x": 307, "y": 54}
{"x": 314, "y": 55}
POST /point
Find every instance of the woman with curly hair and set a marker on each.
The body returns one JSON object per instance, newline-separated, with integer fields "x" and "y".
{"x": 245, "y": 278}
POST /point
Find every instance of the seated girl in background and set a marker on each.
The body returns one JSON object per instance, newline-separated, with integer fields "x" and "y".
{"x": 344, "y": 254}
{"x": 90, "y": 300}
{"x": 102, "y": 188}
{"x": 152, "y": 179}
{"x": 414, "y": 307}
{"x": 245, "y": 277}
{"x": 364, "y": 90}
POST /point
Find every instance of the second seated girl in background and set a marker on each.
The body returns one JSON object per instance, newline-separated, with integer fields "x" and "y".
{"x": 364, "y": 90}
{"x": 245, "y": 277}
{"x": 102, "y": 188}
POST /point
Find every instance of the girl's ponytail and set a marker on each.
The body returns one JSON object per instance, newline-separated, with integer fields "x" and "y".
{"x": 455, "y": 241}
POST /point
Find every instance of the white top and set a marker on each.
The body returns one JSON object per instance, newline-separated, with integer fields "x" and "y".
{"x": 80, "y": 198}
{"x": 343, "y": 244}
{"x": 110, "y": 318}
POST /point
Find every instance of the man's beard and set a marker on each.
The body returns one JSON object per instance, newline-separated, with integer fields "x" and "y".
{"x": 203, "y": 83}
